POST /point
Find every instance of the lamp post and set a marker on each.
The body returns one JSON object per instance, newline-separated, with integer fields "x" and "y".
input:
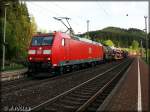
{"x": 128, "y": 37}
{"x": 4, "y": 35}
{"x": 145, "y": 17}
{"x": 87, "y": 28}
{"x": 141, "y": 48}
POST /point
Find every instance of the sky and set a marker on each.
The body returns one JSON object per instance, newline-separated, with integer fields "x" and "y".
{"x": 100, "y": 14}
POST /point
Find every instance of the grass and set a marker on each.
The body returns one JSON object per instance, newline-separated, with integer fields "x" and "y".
{"x": 148, "y": 62}
{"x": 13, "y": 66}
{"x": 144, "y": 57}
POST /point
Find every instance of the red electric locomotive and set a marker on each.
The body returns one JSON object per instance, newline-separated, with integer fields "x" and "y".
{"x": 57, "y": 51}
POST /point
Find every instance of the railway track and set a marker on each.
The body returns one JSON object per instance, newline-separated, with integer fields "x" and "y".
{"x": 88, "y": 95}
{"x": 24, "y": 83}
{"x": 21, "y": 84}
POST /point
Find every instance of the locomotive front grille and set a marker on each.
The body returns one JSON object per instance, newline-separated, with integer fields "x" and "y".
{"x": 39, "y": 66}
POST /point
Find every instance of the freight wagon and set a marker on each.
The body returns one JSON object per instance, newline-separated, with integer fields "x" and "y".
{"x": 108, "y": 53}
{"x": 118, "y": 54}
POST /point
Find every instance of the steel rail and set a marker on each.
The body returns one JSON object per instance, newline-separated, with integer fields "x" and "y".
{"x": 5, "y": 88}
{"x": 74, "y": 88}
{"x": 88, "y": 102}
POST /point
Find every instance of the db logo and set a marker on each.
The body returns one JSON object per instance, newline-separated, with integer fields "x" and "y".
{"x": 39, "y": 51}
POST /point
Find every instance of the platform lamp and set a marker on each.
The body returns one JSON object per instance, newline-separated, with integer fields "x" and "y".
{"x": 88, "y": 28}
{"x": 141, "y": 48}
{"x": 127, "y": 38}
{"x": 4, "y": 35}
{"x": 145, "y": 17}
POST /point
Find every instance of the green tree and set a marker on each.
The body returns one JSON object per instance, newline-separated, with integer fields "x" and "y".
{"x": 109, "y": 43}
{"x": 121, "y": 37}
{"x": 135, "y": 45}
{"x": 19, "y": 29}
{"x": 33, "y": 25}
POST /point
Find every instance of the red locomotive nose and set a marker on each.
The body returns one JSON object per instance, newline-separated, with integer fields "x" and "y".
{"x": 30, "y": 58}
{"x": 40, "y": 54}
{"x": 39, "y": 50}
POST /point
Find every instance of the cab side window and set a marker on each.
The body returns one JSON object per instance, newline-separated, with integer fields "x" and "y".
{"x": 90, "y": 50}
{"x": 63, "y": 42}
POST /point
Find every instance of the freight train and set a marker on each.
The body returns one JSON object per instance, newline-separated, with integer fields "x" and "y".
{"x": 58, "y": 52}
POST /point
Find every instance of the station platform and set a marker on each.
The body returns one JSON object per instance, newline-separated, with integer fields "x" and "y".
{"x": 132, "y": 92}
{"x": 12, "y": 75}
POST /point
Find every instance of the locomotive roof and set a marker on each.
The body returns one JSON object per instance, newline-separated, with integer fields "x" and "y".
{"x": 42, "y": 34}
{"x": 89, "y": 41}
{"x": 77, "y": 37}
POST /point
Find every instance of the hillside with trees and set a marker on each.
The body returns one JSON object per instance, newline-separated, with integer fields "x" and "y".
{"x": 119, "y": 36}
{"x": 19, "y": 29}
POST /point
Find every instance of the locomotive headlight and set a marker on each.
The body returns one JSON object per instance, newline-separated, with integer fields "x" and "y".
{"x": 30, "y": 58}
{"x": 46, "y": 51}
{"x": 31, "y": 52}
{"x": 49, "y": 59}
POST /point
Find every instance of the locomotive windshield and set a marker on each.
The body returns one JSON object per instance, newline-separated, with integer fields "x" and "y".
{"x": 41, "y": 41}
